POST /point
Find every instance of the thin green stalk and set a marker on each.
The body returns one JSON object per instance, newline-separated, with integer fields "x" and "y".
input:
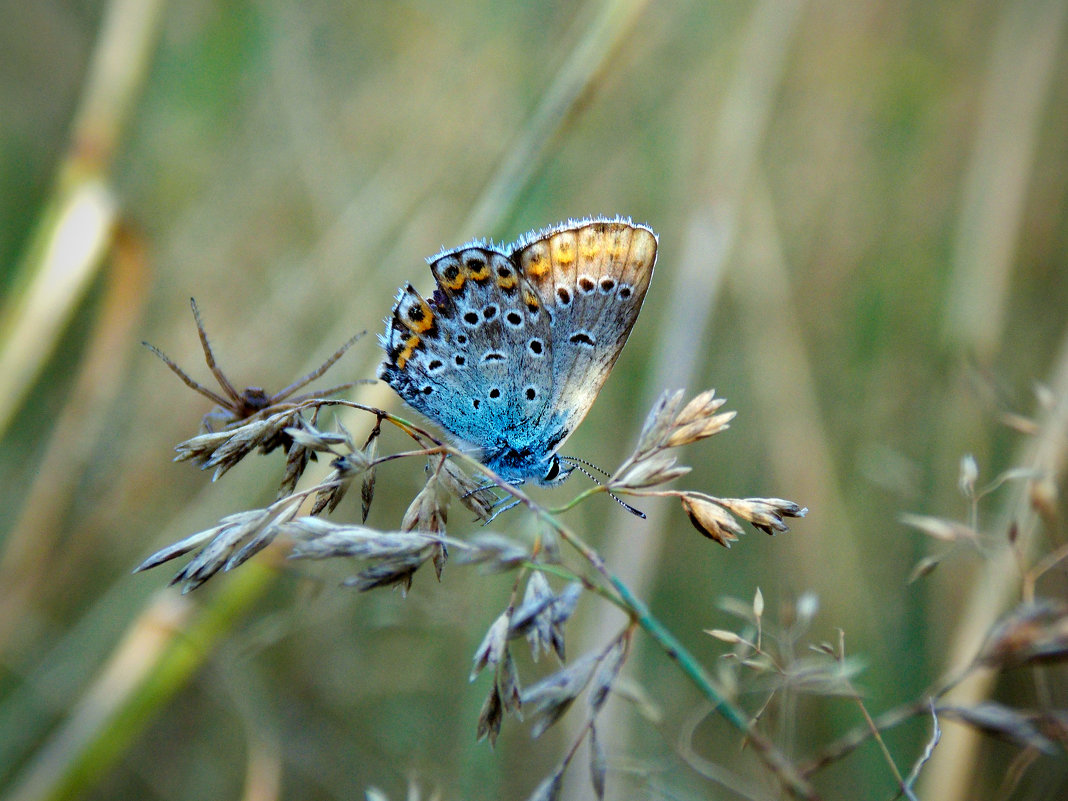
{"x": 675, "y": 650}
{"x": 783, "y": 768}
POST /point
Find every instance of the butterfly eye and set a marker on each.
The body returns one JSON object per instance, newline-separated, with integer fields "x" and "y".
{"x": 558, "y": 471}
{"x": 554, "y": 470}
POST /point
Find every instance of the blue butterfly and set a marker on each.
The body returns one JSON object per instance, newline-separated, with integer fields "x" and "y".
{"x": 510, "y": 351}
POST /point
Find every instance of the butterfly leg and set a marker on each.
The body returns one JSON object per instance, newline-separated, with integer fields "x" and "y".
{"x": 500, "y": 509}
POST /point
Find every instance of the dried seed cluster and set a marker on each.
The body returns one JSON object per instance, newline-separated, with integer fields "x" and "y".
{"x": 540, "y": 618}
{"x": 233, "y": 406}
{"x": 391, "y": 557}
{"x": 717, "y": 518}
{"x": 669, "y": 425}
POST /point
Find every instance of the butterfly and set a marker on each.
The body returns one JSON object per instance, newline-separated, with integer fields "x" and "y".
{"x": 510, "y": 351}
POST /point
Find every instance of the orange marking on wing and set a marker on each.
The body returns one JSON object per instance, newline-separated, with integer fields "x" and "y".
{"x": 420, "y": 318}
{"x": 478, "y": 273}
{"x": 409, "y": 348}
{"x": 591, "y": 240}
{"x": 563, "y": 250}
{"x": 537, "y": 265}
{"x": 535, "y": 261}
{"x": 451, "y": 276}
{"x": 589, "y": 251}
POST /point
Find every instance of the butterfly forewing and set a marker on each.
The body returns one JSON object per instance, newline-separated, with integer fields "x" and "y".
{"x": 593, "y": 276}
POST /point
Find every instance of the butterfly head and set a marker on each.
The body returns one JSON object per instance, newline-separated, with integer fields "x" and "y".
{"x": 528, "y": 463}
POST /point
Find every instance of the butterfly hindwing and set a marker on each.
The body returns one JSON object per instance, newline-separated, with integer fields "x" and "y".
{"x": 476, "y": 356}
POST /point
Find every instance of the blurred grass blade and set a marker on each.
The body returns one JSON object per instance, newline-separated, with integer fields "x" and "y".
{"x": 28, "y": 552}
{"x": 162, "y": 648}
{"x": 66, "y": 253}
{"x": 77, "y": 224}
{"x": 587, "y": 60}
{"x": 1021, "y": 75}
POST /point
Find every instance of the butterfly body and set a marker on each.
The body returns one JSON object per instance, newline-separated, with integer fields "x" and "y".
{"x": 513, "y": 346}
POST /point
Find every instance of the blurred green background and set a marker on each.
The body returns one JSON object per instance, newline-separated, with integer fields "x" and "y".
{"x": 863, "y": 220}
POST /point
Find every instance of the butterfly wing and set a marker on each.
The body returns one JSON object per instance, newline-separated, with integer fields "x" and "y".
{"x": 476, "y": 357}
{"x": 592, "y": 276}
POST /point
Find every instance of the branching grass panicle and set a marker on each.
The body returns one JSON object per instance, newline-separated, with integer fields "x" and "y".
{"x": 768, "y": 663}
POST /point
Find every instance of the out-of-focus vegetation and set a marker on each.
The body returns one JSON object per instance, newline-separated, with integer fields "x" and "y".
{"x": 863, "y": 220}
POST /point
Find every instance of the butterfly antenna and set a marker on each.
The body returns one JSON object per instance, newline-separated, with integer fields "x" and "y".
{"x": 578, "y": 463}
